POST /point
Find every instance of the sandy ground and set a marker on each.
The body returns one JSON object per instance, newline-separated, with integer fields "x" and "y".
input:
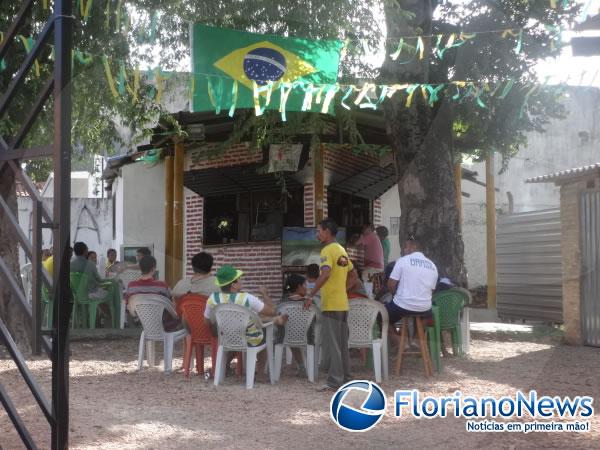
{"x": 114, "y": 406}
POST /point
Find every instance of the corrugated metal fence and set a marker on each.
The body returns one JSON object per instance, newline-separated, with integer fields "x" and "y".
{"x": 528, "y": 265}
{"x": 590, "y": 266}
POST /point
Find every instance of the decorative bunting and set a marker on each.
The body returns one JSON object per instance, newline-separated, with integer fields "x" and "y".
{"x": 410, "y": 91}
{"x": 2, "y": 62}
{"x": 307, "y": 103}
{"x": 28, "y": 43}
{"x": 118, "y": 14}
{"x": 285, "y": 90}
{"x": 107, "y": 16}
{"x": 215, "y": 96}
{"x": 396, "y": 54}
{"x": 136, "y": 84}
{"x": 346, "y": 95}
{"x": 420, "y": 47}
{"x": 509, "y": 84}
{"x": 234, "y": 96}
{"x": 526, "y": 99}
{"x": 84, "y": 8}
{"x": 332, "y": 90}
{"x": 109, "y": 77}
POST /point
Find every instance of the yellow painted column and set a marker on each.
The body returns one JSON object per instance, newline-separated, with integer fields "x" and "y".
{"x": 178, "y": 166}
{"x": 319, "y": 177}
{"x": 490, "y": 196}
{"x": 169, "y": 221}
{"x": 458, "y": 187}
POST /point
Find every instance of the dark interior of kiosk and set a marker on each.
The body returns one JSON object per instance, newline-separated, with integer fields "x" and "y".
{"x": 261, "y": 216}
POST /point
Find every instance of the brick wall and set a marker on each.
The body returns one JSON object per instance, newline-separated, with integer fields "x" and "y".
{"x": 571, "y": 260}
{"x": 194, "y": 212}
{"x": 339, "y": 158}
{"x": 377, "y": 219}
{"x": 325, "y": 203}
{"x": 309, "y": 205}
{"x": 261, "y": 262}
{"x": 206, "y": 158}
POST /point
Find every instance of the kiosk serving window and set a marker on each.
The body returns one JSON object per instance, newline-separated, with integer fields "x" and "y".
{"x": 251, "y": 216}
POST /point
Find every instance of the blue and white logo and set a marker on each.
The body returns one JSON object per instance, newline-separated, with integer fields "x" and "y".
{"x": 367, "y": 415}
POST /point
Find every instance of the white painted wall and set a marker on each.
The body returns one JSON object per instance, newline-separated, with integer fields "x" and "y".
{"x": 91, "y": 222}
{"x": 83, "y": 184}
{"x": 567, "y": 143}
{"x": 117, "y": 198}
{"x": 390, "y": 207}
{"x": 140, "y": 208}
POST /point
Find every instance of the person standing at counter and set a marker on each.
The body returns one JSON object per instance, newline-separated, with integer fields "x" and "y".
{"x": 373, "y": 262}
{"x": 336, "y": 269}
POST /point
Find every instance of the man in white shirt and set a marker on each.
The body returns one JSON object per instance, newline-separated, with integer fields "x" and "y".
{"x": 412, "y": 281}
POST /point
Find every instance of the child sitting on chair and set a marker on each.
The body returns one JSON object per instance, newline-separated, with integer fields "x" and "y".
{"x": 295, "y": 290}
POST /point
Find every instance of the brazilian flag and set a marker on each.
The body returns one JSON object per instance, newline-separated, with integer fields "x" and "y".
{"x": 235, "y": 67}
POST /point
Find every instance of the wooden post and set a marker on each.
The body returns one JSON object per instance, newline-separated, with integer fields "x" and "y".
{"x": 169, "y": 221}
{"x": 319, "y": 177}
{"x": 178, "y": 211}
{"x": 458, "y": 187}
{"x": 490, "y": 231}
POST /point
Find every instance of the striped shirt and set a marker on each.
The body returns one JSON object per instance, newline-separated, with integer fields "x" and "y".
{"x": 147, "y": 287}
{"x": 254, "y": 335}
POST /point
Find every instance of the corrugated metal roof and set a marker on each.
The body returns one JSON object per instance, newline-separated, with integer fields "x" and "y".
{"x": 563, "y": 175}
{"x": 233, "y": 180}
{"x": 371, "y": 183}
{"x": 375, "y": 180}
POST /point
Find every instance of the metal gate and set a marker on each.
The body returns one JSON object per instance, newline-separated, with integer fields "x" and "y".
{"x": 589, "y": 214}
{"x": 53, "y": 341}
{"x": 529, "y": 266}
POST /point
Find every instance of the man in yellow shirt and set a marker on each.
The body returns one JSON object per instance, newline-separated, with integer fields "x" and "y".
{"x": 336, "y": 273}
{"x": 48, "y": 264}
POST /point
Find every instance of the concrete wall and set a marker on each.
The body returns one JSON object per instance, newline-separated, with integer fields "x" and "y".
{"x": 91, "y": 222}
{"x": 390, "y": 207}
{"x": 140, "y": 205}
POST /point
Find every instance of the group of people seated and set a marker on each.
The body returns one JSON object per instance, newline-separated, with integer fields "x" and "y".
{"x": 407, "y": 289}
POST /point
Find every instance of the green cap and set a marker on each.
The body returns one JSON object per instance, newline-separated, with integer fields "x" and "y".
{"x": 227, "y": 275}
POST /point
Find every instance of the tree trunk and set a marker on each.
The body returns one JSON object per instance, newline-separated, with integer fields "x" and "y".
{"x": 11, "y": 311}
{"x": 421, "y": 140}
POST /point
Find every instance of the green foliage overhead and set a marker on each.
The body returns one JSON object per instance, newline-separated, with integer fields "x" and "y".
{"x": 145, "y": 32}
{"x": 495, "y": 124}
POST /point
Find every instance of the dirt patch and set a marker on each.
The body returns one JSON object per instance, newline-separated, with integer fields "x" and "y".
{"x": 114, "y": 406}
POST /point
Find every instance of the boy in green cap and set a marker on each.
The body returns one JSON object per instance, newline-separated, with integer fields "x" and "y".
{"x": 228, "y": 280}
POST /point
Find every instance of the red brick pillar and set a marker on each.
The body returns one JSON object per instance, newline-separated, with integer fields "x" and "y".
{"x": 194, "y": 214}
{"x": 309, "y": 205}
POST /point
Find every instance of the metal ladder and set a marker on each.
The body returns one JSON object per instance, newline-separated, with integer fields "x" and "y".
{"x": 53, "y": 341}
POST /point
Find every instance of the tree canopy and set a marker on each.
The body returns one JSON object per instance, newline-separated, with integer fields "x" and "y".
{"x": 156, "y": 32}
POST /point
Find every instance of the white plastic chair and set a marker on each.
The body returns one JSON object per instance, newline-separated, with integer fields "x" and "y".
{"x": 149, "y": 308}
{"x": 232, "y": 321}
{"x": 296, "y": 336}
{"x": 124, "y": 278}
{"x": 361, "y": 319}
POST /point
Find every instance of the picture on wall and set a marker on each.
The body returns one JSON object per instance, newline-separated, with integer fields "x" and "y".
{"x": 300, "y": 247}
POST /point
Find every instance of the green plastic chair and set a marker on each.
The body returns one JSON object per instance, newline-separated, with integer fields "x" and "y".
{"x": 434, "y": 337}
{"x": 450, "y": 304}
{"x": 84, "y": 306}
{"x": 48, "y": 307}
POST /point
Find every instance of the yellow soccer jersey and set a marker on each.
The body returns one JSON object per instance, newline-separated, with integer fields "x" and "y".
{"x": 333, "y": 292}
